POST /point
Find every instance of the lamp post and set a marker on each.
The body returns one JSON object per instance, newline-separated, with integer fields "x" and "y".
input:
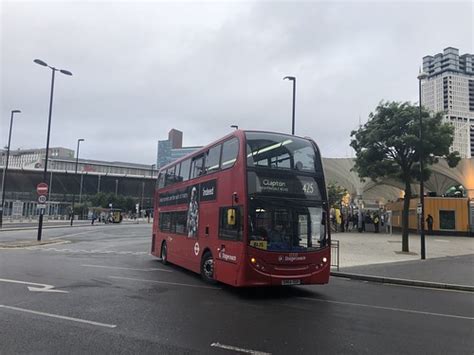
{"x": 293, "y": 79}
{"x": 53, "y": 72}
{"x": 421, "y": 76}
{"x": 75, "y": 174}
{"x": 4, "y": 178}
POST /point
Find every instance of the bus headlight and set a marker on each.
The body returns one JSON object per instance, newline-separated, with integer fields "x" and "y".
{"x": 325, "y": 260}
{"x": 253, "y": 260}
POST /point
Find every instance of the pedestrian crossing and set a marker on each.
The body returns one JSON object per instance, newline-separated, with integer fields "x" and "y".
{"x": 92, "y": 251}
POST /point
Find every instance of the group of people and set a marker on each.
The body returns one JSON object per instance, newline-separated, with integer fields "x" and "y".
{"x": 349, "y": 222}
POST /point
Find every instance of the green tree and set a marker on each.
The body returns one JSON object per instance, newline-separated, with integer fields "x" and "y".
{"x": 388, "y": 146}
{"x": 335, "y": 194}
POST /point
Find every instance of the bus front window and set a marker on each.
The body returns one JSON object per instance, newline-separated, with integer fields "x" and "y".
{"x": 288, "y": 228}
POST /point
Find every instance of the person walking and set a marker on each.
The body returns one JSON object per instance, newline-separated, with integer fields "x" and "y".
{"x": 429, "y": 221}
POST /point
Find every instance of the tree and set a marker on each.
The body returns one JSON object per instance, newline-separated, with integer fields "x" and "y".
{"x": 388, "y": 146}
{"x": 335, "y": 194}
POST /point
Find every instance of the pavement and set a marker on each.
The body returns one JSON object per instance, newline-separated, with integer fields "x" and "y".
{"x": 378, "y": 257}
{"x": 372, "y": 257}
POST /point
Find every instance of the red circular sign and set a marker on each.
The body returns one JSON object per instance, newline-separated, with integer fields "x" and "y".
{"x": 42, "y": 188}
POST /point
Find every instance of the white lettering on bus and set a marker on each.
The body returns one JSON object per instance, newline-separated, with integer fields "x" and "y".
{"x": 273, "y": 183}
{"x": 208, "y": 192}
{"x": 292, "y": 257}
{"x": 226, "y": 257}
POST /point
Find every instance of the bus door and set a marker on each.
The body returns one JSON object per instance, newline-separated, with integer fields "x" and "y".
{"x": 229, "y": 251}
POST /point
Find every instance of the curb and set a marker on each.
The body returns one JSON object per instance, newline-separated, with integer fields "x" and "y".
{"x": 396, "y": 281}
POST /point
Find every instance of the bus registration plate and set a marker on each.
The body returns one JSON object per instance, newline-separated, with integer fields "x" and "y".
{"x": 290, "y": 282}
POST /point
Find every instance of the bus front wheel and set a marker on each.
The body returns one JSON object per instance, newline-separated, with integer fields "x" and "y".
{"x": 164, "y": 254}
{"x": 207, "y": 268}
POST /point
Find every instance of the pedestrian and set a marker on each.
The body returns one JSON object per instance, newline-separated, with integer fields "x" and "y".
{"x": 429, "y": 221}
{"x": 376, "y": 221}
{"x": 342, "y": 222}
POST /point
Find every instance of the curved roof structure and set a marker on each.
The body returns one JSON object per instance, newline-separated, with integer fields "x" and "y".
{"x": 339, "y": 170}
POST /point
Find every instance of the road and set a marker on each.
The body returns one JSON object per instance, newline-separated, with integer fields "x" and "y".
{"x": 118, "y": 299}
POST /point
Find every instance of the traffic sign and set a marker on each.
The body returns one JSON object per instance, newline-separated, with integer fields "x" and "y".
{"x": 42, "y": 188}
{"x": 41, "y": 206}
{"x": 41, "y": 199}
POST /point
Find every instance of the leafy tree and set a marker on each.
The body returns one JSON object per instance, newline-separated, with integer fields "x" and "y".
{"x": 335, "y": 194}
{"x": 388, "y": 146}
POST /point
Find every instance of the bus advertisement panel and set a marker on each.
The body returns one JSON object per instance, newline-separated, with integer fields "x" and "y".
{"x": 250, "y": 209}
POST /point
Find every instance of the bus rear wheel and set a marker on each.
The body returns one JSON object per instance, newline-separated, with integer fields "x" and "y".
{"x": 164, "y": 254}
{"x": 207, "y": 268}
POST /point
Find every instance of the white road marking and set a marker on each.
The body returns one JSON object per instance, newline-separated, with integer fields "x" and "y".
{"x": 387, "y": 308}
{"x": 126, "y": 268}
{"x": 442, "y": 240}
{"x": 240, "y": 350}
{"x": 59, "y": 316}
{"x": 66, "y": 250}
{"x": 69, "y": 235}
{"x": 164, "y": 282}
{"x": 36, "y": 287}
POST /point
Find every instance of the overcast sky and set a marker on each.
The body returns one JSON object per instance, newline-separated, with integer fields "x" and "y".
{"x": 142, "y": 68}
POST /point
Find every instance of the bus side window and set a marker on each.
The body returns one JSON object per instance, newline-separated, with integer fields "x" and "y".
{"x": 230, "y": 223}
{"x": 197, "y": 166}
{"x": 213, "y": 157}
{"x": 230, "y": 150}
{"x": 184, "y": 171}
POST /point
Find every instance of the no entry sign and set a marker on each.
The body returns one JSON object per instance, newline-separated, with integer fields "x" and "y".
{"x": 42, "y": 188}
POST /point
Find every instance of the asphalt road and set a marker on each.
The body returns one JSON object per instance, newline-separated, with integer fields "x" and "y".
{"x": 118, "y": 299}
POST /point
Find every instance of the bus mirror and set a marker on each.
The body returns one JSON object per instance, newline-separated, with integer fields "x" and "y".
{"x": 231, "y": 216}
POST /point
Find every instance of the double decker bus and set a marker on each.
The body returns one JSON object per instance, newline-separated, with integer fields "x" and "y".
{"x": 247, "y": 210}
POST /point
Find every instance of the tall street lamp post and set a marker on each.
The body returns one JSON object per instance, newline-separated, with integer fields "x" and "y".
{"x": 4, "y": 178}
{"x": 53, "y": 72}
{"x": 421, "y": 76}
{"x": 293, "y": 79}
{"x": 75, "y": 175}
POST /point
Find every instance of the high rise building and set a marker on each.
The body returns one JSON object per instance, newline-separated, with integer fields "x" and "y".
{"x": 172, "y": 148}
{"x": 449, "y": 88}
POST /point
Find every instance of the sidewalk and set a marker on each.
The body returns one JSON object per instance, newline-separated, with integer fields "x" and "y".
{"x": 449, "y": 260}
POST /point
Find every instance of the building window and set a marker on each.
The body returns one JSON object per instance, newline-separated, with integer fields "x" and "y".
{"x": 447, "y": 220}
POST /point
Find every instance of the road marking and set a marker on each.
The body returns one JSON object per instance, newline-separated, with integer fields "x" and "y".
{"x": 59, "y": 316}
{"x": 70, "y": 235}
{"x": 78, "y": 251}
{"x": 125, "y": 268}
{"x": 164, "y": 282}
{"x": 388, "y": 308}
{"x": 442, "y": 240}
{"x": 240, "y": 350}
{"x": 39, "y": 288}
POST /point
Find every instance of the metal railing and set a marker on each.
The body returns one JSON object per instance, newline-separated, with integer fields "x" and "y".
{"x": 335, "y": 254}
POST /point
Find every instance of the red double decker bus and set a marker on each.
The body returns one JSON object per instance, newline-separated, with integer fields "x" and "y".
{"x": 249, "y": 209}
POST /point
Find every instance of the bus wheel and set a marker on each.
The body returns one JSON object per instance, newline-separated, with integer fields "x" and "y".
{"x": 207, "y": 268}
{"x": 164, "y": 254}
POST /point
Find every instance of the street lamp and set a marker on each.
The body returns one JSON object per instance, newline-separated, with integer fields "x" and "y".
{"x": 421, "y": 76}
{"x": 4, "y": 178}
{"x": 234, "y": 126}
{"x": 53, "y": 72}
{"x": 75, "y": 174}
{"x": 293, "y": 79}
